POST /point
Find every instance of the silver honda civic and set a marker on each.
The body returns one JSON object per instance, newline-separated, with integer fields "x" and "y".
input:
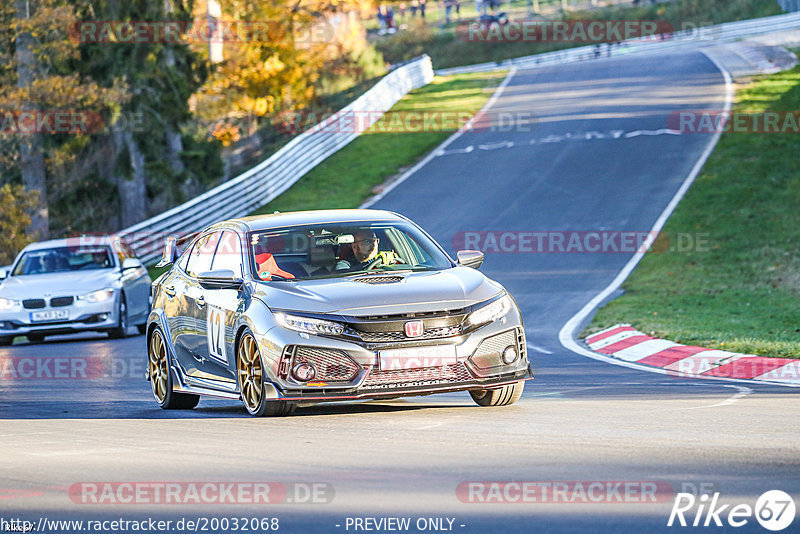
{"x": 317, "y": 306}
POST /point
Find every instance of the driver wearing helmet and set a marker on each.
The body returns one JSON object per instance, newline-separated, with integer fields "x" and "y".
{"x": 366, "y": 253}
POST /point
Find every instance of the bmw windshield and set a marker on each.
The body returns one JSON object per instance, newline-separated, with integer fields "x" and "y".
{"x": 343, "y": 249}
{"x": 63, "y": 259}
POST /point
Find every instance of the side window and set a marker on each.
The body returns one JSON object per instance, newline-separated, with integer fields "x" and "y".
{"x": 229, "y": 253}
{"x": 184, "y": 259}
{"x": 202, "y": 253}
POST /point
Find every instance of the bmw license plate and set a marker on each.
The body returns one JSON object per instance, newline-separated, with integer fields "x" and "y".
{"x": 417, "y": 357}
{"x": 49, "y": 315}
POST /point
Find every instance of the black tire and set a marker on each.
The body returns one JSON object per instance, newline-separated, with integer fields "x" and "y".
{"x": 121, "y": 330}
{"x": 498, "y": 397}
{"x": 250, "y": 377}
{"x": 160, "y": 375}
{"x": 6, "y": 341}
{"x": 35, "y": 338}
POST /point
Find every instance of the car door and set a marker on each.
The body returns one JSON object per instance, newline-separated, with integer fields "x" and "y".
{"x": 200, "y": 258}
{"x": 222, "y": 309}
{"x": 176, "y": 311}
{"x": 135, "y": 282}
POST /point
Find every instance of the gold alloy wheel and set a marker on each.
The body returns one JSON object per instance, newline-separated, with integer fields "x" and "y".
{"x": 158, "y": 366}
{"x": 251, "y": 374}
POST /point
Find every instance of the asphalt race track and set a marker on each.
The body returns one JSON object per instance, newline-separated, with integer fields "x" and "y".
{"x": 588, "y": 153}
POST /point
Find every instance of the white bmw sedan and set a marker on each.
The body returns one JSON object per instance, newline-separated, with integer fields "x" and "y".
{"x": 71, "y": 285}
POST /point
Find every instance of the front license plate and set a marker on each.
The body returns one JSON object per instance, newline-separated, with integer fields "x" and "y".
{"x": 49, "y": 315}
{"x": 417, "y": 357}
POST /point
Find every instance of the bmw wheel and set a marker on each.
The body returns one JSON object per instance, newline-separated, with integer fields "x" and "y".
{"x": 121, "y": 330}
{"x": 250, "y": 372}
{"x": 498, "y": 397}
{"x": 161, "y": 377}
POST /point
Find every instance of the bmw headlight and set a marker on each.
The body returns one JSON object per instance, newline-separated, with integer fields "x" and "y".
{"x": 101, "y": 295}
{"x": 309, "y": 325}
{"x": 8, "y": 304}
{"x": 490, "y": 312}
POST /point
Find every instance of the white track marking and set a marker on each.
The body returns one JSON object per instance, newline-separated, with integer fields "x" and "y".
{"x": 537, "y": 348}
{"x": 742, "y": 393}
{"x": 664, "y": 131}
{"x": 441, "y": 148}
{"x": 550, "y": 139}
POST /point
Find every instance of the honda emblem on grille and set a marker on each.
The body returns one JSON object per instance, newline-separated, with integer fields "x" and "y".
{"x": 413, "y": 328}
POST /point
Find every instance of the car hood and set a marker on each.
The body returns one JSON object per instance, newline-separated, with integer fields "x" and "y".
{"x": 57, "y": 284}
{"x": 417, "y": 292}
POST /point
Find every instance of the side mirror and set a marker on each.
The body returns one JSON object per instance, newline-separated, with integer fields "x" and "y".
{"x": 470, "y": 258}
{"x": 219, "y": 279}
{"x": 4, "y": 272}
{"x": 131, "y": 263}
{"x": 170, "y": 252}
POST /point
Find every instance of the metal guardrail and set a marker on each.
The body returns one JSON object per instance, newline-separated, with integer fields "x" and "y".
{"x": 264, "y": 182}
{"x": 720, "y": 33}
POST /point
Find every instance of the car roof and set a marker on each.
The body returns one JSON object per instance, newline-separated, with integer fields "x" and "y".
{"x": 88, "y": 241}
{"x": 298, "y": 218}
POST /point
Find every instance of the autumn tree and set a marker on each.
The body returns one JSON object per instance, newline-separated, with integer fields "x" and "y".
{"x": 35, "y": 53}
{"x": 274, "y": 54}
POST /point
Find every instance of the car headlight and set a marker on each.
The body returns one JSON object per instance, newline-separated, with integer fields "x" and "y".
{"x": 309, "y": 325}
{"x": 490, "y": 312}
{"x": 101, "y": 295}
{"x": 8, "y": 304}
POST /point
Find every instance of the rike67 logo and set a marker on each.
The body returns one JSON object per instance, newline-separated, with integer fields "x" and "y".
{"x": 774, "y": 510}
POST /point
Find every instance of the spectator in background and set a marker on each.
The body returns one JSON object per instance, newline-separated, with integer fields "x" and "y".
{"x": 448, "y": 7}
{"x": 422, "y": 8}
{"x": 390, "y": 19}
{"x": 414, "y": 7}
{"x": 381, "y": 20}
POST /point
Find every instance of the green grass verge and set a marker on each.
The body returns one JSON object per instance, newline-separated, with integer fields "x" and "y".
{"x": 348, "y": 177}
{"x": 742, "y": 293}
{"x": 447, "y": 50}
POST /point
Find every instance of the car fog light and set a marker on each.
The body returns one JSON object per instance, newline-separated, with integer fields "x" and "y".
{"x": 509, "y": 355}
{"x": 304, "y": 372}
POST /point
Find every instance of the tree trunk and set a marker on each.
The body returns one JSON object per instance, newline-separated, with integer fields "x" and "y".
{"x": 174, "y": 149}
{"x": 132, "y": 190}
{"x": 30, "y": 148}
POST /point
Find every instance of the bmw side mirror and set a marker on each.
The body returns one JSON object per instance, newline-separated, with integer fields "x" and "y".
{"x": 170, "y": 252}
{"x": 131, "y": 263}
{"x": 470, "y": 258}
{"x": 4, "y": 272}
{"x": 219, "y": 279}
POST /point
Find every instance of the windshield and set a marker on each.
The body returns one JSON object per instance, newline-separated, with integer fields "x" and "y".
{"x": 62, "y": 259}
{"x": 337, "y": 250}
